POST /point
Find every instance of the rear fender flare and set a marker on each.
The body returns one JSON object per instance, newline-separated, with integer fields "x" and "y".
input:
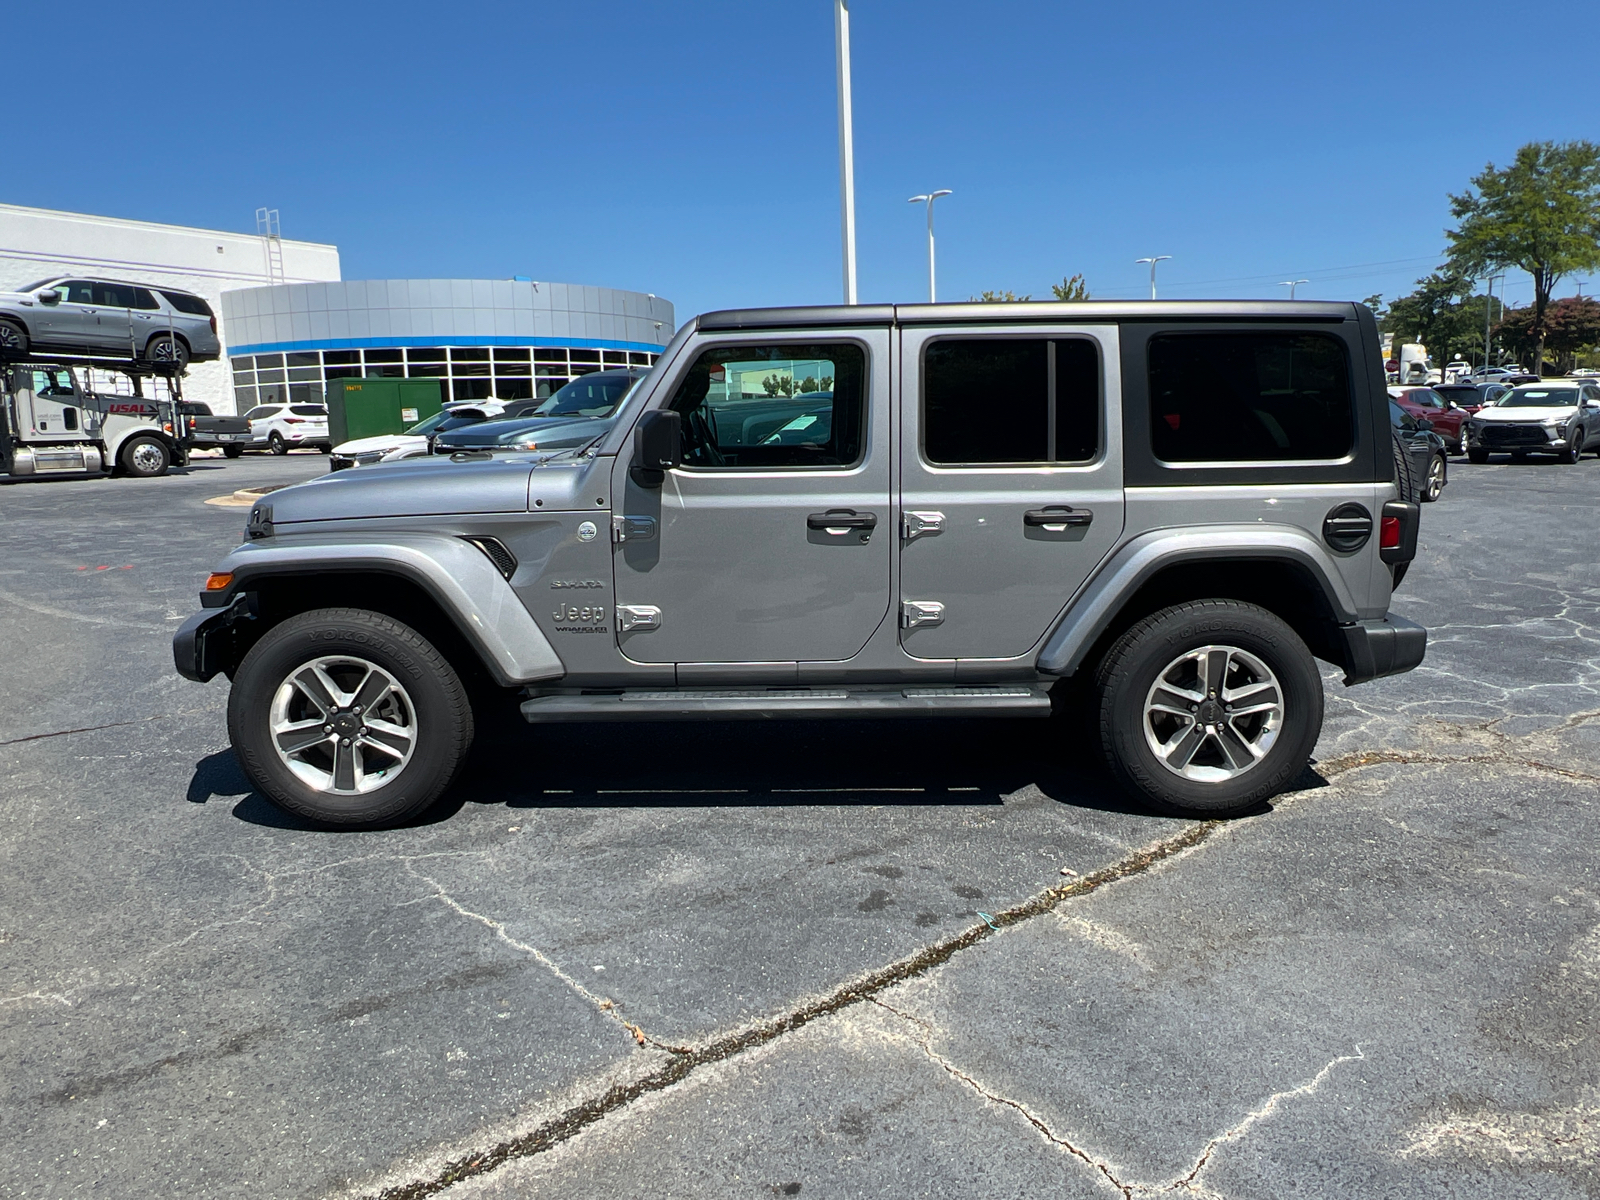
{"x": 1142, "y": 558}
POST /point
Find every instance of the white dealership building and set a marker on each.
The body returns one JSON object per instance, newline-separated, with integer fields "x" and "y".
{"x": 289, "y": 324}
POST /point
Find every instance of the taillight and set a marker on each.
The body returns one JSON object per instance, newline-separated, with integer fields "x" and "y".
{"x": 213, "y": 324}
{"x": 294, "y": 421}
{"x": 1389, "y": 533}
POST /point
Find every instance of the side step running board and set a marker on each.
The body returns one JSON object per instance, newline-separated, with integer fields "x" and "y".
{"x": 778, "y": 703}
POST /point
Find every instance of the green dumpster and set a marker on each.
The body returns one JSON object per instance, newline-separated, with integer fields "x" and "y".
{"x": 359, "y": 408}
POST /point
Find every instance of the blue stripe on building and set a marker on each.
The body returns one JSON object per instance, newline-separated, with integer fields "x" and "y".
{"x": 448, "y": 340}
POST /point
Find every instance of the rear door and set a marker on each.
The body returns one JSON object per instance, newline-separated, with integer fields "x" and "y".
{"x": 115, "y": 302}
{"x": 772, "y": 543}
{"x": 1011, "y": 481}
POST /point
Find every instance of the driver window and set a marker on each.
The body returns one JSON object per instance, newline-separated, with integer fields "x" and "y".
{"x": 757, "y": 407}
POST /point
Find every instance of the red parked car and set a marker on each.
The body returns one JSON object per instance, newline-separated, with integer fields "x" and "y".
{"x": 1449, "y": 418}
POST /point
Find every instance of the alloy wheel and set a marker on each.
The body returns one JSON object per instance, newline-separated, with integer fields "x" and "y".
{"x": 343, "y": 725}
{"x": 1213, "y": 713}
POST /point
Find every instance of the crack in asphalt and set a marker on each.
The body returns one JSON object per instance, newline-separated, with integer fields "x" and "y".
{"x": 685, "y": 1060}
{"x": 1188, "y": 1182}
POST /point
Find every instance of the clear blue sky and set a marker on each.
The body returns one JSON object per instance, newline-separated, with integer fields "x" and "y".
{"x": 689, "y": 149}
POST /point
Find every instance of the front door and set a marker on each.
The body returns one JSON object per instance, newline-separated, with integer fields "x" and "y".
{"x": 74, "y": 322}
{"x": 1011, "y": 482}
{"x": 772, "y": 543}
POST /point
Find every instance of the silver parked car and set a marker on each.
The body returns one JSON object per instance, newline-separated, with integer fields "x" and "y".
{"x": 103, "y": 319}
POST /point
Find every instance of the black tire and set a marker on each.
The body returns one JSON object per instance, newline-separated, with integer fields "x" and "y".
{"x": 440, "y": 716}
{"x": 1405, "y": 471}
{"x": 276, "y": 444}
{"x": 1130, "y": 670}
{"x": 1475, "y": 455}
{"x": 326, "y": 448}
{"x": 13, "y": 339}
{"x": 144, "y": 457}
{"x": 167, "y": 353}
{"x": 1574, "y": 448}
{"x": 232, "y": 451}
{"x": 1433, "y": 483}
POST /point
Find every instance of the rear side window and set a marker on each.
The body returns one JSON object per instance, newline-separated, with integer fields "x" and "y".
{"x": 308, "y": 410}
{"x": 143, "y": 299}
{"x": 989, "y": 401}
{"x": 115, "y": 295}
{"x": 185, "y": 303}
{"x": 1249, "y": 397}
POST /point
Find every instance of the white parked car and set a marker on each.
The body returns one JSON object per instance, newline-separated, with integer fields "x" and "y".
{"x": 281, "y": 427}
{"x": 415, "y": 441}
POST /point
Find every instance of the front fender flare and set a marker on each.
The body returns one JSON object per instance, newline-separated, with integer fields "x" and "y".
{"x": 456, "y": 574}
{"x": 1143, "y": 557}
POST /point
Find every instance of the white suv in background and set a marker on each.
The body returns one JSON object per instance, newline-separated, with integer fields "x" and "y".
{"x": 281, "y": 427}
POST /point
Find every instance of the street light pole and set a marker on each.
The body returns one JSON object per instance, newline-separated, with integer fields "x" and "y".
{"x": 847, "y": 170}
{"x": 1153, "y": 262}
{"x": 1291, "y": 284}
{"x": 930, "y": 198}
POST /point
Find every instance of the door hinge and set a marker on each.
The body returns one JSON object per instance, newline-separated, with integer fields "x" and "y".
{"x": 637, "y": 616}
{"x": 915, "y": 613}
{"x": 632, "y": 529}
{"x": 919, "y": 524}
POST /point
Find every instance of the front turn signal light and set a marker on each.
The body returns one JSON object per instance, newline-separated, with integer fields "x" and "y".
{"x": 219, "y": 581}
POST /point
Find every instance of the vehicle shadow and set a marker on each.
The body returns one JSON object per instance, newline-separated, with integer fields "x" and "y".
{"x": 747, "y": 764}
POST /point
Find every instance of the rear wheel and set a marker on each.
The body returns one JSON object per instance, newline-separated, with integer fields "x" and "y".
{"x": 1209, "y": 707}
{"x": 145, "y": 457}
{"x": 1405, "y": 471}
{"x": 1433, "y": 483}
{"x": 232, "y": 451}
{"x": 13, "y": 339}
{"x": 348, "y": 718}
{"x": 164, "y": 350}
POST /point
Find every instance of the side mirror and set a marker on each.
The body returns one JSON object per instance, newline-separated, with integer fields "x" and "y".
{"x": 657, "y": 447}
{"x": 50, "y": 297}
{"x": 1424, "y": 424}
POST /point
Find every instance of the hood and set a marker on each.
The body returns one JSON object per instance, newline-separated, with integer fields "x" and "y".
{"x": 1524, "y": 414}
{"x": 504, "y": 483}
{"x": 387, "y": 441}
{"x": 565, "y": 431}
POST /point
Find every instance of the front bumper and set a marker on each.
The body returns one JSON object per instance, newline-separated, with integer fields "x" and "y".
{"x": 1388, "y": 646}
{"x": 1505, "y": 436}
{"x": 208, "y": 641}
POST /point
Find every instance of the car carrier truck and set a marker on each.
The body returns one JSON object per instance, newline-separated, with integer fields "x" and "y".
{"x": 50, "y": 426}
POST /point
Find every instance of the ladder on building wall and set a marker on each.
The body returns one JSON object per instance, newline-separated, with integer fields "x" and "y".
{"x": 271, "y": 242}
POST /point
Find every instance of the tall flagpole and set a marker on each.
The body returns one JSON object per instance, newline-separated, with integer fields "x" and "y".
{"x": 847, "y": 169}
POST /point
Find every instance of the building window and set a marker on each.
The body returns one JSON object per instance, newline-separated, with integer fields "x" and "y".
{"x": 305, "y": 359}
{"x": 544, "y": 354}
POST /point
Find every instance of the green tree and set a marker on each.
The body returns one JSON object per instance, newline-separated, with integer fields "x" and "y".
{"x": 1441, "y": 314}
{"x": 1006, "y": 297}
{"x": 1540, "y": 214}
{"x": 1071, "y": 289}
{"x": 778, "y": 385}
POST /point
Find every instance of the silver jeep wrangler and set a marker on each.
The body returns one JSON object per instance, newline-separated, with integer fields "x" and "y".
{"x": 868, "y": 511}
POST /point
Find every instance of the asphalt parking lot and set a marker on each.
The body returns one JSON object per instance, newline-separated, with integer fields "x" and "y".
{"x": 872, "y": 959}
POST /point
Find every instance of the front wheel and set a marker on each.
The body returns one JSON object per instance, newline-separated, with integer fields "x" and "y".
{"x": 145, "y": 457}
{"x": 276, "y": 444}
{"x": 1210, "y": 707}
{"x": 348, "y": 718}
{"x": 1477, "y": 456}
{"x": 232, "y": 451}
{"x": 1574, "y": 448}
{"x": 13, "y": 340}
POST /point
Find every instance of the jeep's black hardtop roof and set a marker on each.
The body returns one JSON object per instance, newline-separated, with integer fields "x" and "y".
{"x": 1074, "y": 311}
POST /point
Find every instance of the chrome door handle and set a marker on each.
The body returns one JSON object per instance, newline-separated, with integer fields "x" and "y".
{"x": 842, "y": 520}
{"x": 1056, "y": 517}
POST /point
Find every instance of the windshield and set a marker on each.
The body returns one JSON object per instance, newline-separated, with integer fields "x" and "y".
{"x": 34, "y": 287}
{"x": 1539, "y": 397}
{"x": 594, "y": 395}
{"x": 429, "y": 425}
